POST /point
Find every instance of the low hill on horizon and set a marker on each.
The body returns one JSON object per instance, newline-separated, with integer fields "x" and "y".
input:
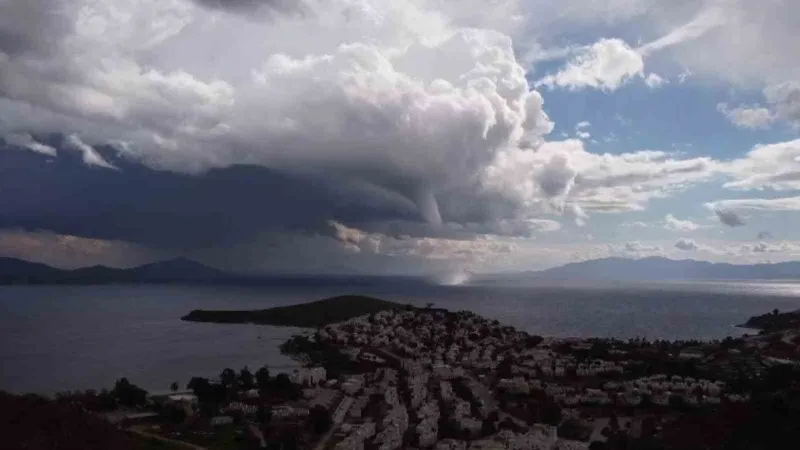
{"x": 658, "y": 268}
{"x": 305, "y": 315}
{"x": 181, "y": 270}
{"x": 17, "y": 271}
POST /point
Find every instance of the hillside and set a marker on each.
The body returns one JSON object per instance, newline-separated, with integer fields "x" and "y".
{"x": 36, "y": 423}
{"x": 307, "y": 315}
{"x": 774, "y": 321}
{"x": 16, "y": 271}
{"x": 185, "y": 271}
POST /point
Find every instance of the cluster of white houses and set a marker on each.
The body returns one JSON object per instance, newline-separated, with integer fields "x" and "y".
{"x": 444, "y": 366}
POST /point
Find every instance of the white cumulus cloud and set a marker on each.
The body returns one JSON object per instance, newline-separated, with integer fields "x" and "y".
{"x": 606, "y": 65}
{"x": 654, "y": 81}
{"x": 773, "y": 166}
{"x": 753, "y": 117}
{"x": 638, "y": 247}
{"x": 560, "y": 173}
{"x": 674, "y": 224}
{"x": 467, "y": 252}
{"x": 758, "y": 204}
{"x": 784, "y": 99}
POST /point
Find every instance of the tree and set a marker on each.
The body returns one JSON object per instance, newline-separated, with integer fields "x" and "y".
{"x": 106, "y": 401}
{"x": 676, "y": 402}
{"x": 488, "y": 428}
{"x": 319, "y": 419}
{"x": 613, "y": 423}
{"x": 173, "y": 414}
{"x": 533, "y": 341}
{"x": 262, "y": 378}
{"x": 551, "y": 414}
{"x": 264, "y": 415}
{"x": 208, "y": 395}
{"x": 246, "y": 379}
{"x": 128, "y": 394}
{"x": 228, "y": 377}
{"x": 505, "y": 366}
{"x": 198, "y": 385}
{"x": 574, "y": 429}
{"x": 201, "y": 388}
{"x": 289, "y": 441}
{"x": 283, "y": 383}
{"x": 174, "y": 386}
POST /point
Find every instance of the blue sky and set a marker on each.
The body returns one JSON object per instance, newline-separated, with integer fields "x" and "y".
{"x": 399, "y": 137}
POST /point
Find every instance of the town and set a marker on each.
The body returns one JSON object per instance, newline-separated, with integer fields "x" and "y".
{"x": 425, "y": 378}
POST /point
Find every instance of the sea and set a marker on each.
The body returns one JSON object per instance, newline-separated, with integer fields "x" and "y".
{"x": 59, "y": 338}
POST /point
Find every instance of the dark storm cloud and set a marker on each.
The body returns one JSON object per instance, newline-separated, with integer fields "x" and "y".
{"x": 730, "y": 218}
{"x": 686, "y": 245}
{"x": 765, "y": 235}
{"x": 557, "y": 177}
{"x": 279, "y": 6}
{"x": 168, "y": 210}
{"x": 23, "y": 29}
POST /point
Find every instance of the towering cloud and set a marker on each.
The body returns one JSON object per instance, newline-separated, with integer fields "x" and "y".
{"x": 370, "y": 113}
{"x": 408, "y": 100}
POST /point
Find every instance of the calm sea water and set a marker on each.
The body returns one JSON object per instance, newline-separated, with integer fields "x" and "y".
{"x": 79, "y": 337}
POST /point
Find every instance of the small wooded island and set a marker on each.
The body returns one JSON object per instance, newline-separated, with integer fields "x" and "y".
{"x": 307, "y": 315}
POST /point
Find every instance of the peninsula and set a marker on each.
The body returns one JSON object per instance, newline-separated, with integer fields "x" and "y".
{"x": 774, "y": 321}
{"x": 306, "y": 315}
{"x": 432, "y": 379}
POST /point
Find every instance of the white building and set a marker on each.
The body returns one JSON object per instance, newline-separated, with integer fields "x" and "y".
{"x": 451, "y": 444}
{"x": 352, "y": 385}
{"x": 285, "y": 411}
{"x": 219, "y": 421}
{"x": 308, "y": 376}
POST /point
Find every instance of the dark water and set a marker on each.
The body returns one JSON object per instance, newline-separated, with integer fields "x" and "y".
{"x": 59, "y": 338}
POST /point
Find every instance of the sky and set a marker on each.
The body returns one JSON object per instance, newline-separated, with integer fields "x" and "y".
{"x": 403, "y": 137}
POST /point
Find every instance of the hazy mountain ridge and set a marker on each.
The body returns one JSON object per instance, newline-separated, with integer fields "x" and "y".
{"x": 16, "y": 271}
{"x": 658, "y": 268}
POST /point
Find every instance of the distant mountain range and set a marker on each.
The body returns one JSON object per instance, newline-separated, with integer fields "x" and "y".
{"x": 16, "y": 271}
{"x": 657, "y": 268}
{"x": 180, "y": 270}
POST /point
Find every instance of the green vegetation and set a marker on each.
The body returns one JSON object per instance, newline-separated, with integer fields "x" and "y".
{"x": 124, "y": 394}
{"x": 774, "y": 321}
{"x": 212, "y": 395}
{"x": 314, "y": 353}
{"x": 32, "y": 422}
{"x": 307, "y": 315}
